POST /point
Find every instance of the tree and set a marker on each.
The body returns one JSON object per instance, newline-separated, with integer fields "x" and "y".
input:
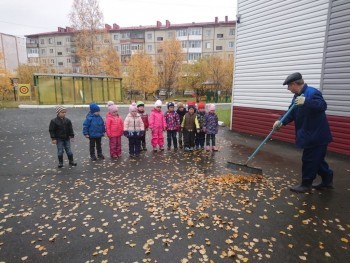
{"x": 110, "y": 62}
{"x": 5, "y": 75}
{"x": 192, "y": 76}
{"x": 25, "y": 73}
{"x": 87, "y": 20}
{"x": 141, "y": 74}
{"x": 169, "y": 62}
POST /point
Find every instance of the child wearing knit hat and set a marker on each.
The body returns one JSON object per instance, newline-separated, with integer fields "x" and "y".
{"x": 114, "y": 130}
{"x": 144, "y": 116}
{"x": 200, "y": 136}
{"x": 94, "y": 129}
{"x": 157, "y": 125}
{"x": 172, "y": 121}
{"x": 61, "y": 133}
{"x": 181, "y": 111}
{"x": 210, "y": 127}
{"x": 134, "y": 129}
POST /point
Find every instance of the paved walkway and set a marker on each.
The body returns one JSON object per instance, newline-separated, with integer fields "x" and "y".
{"x": 164, "y": 207}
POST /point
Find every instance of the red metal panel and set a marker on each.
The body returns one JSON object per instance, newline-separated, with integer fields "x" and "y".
{"x": 259, "y": 122}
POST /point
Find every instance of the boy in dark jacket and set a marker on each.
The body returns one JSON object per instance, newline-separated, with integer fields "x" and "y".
{"x": 144, "y": 116}
{"x": 94, "y": 129}
{"x": 181, "y": 111}
{"x": 189, "y": 126}
{"x": 61, "y": 132}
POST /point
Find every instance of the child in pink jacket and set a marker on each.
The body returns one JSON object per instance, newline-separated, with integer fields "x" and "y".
{"x": 114, "y": 128}
{"x": 157, "y": 125}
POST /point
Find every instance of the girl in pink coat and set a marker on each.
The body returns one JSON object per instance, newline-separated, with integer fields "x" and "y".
{"x": 157, "y": 125}
{"x": 115, "y": 129}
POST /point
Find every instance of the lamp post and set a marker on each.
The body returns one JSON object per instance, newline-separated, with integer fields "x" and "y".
{"x": 14, "y": 82}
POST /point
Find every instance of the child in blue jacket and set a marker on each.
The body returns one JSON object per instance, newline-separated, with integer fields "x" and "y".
{"x": 94, "y": 130}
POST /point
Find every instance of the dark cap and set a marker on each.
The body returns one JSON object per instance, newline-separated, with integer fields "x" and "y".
{"x": 293, "y": 77}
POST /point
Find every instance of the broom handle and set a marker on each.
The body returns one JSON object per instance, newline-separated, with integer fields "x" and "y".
{"x": 270, "y": 134}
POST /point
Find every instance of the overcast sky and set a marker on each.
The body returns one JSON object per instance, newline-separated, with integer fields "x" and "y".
{"x": 25, "y": 17}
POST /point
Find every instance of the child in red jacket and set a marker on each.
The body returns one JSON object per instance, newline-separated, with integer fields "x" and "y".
{"x": 115, "y": 129}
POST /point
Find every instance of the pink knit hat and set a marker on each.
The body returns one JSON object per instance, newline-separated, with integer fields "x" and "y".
{"x": 133, "y": 107}
{"x": 112, "y": 108}
{"x": 211, "y": 106}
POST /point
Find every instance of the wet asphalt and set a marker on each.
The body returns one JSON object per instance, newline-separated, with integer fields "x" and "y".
{"x": 167, "y": 206}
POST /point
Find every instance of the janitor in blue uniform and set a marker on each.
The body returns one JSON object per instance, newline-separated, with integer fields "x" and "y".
{"x": 312, "y": 133}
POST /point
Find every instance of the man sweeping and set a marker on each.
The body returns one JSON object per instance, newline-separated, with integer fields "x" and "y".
{"x": 312, "y": 133}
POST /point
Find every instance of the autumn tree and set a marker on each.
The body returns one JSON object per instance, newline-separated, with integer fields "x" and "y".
{"x": 192, "y": 76}
{"x": 87, "y": 20}
{"x": 141, "y": 74}
{"x": 5, "y": 75}
{"x": 25, "y": 73}
{"x": 169, "y": 61}
{"x": 110, "y": 62}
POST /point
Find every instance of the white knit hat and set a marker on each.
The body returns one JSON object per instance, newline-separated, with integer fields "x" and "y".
{"x": 158, "y": 103}
{"x": 60, "y": 108}
{"x": 109, "y": 103}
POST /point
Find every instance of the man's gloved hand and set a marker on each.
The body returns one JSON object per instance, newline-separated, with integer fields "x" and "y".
{"x": 277, "y": 125}
{"x": 126, "y": 133}
{"x": 300, "y": 100}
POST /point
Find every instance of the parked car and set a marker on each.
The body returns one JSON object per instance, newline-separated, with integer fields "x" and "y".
{"x": 189, "y": 93}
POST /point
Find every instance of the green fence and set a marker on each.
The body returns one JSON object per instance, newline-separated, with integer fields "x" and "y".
{"x": 76, "y": 89}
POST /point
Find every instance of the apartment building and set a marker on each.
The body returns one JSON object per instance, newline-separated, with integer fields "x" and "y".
{"x": 57, "y": 51}
{"x": 13, "y": 50}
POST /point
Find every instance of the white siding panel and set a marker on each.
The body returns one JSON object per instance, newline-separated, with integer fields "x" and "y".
{"x": 336, "y": 74}
{"x": 274, "y": 39}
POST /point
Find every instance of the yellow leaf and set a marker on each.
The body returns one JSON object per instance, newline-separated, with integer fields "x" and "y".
{"x": 327, "y": 254}
{"x": 302, "y": 258}
{"x": 343, "y": 239}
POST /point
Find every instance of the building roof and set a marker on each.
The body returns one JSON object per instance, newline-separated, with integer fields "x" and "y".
{"x": 158, "y": 26}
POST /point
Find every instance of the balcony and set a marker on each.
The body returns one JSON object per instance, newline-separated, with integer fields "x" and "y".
{"x": 32, "y": 45}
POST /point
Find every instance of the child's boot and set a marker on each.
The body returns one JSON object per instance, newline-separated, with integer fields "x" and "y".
{"x": 207, "y": 148}
{"x": 144, "y": 148}
{"x": 215, "y": 149}
{"x": 71, "y": 161}
{"x": 60, "y": 161}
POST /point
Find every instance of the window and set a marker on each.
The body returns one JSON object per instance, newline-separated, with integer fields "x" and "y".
{"x": 195, "y": 44}
{"x": 43, "y": 61}
{"x": 159, "y": 38}
{"x": 106, "y": 41}
{"x": 149, "y": 36}
{"x": 51, "y": 50}
{"x": 208, "y": 33}
{"x": 126, "y": 35}
{"x": 115, "y": 37}
{"x": 68, "y": 60}
{"x": 125, "y": 49}
{"x": 42, "y": 41}
{"x": 181, "y": 32}
{"x": 218, "y": 48}
{"x": 33, "y": 50}
{"x": 50, "y": 40}
{"x": 195, "y": 31}
{"x": 98, "y": 38}
{"x": 59, "y": 43}
{"x": 43, "y": 51}
{"x": 52, "y": 61}
{"x": 136, "y": 47}
{"x": 170, "y": 34}
{"x": 59, "y": 53}
{"x": 149, "y": 48}
{"x": 116, "y": 48}
{"x": 220, "y": 35}
{"x": 231, "y": 44}
{"x": 68, "y": 39}
{"x": 184, "y": 44}
{"x": 232, "y": 32}
{"x": 207, "y": 45}
{"x": 60, "y": 63}
{"x": 194, "y": 56}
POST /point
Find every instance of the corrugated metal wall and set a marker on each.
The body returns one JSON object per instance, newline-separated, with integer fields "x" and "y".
{"x": 274, "y": 39}
{"x": 336, "y": 77}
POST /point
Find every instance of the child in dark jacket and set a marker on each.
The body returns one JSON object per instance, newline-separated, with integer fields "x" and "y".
{"x": 144, "y": 116}
{"x": 189, "y": 126}
{"x": 200, "y": 136}
{"x": 181, "y": 111}
{"x": 172, "y": 121}
{"x": 94, "y": 129}
{"x": 61, "y": 133}
{"x": 211, "y": 127}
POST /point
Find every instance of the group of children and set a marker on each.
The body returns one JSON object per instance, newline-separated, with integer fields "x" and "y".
{"x": 195, "y": 128}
